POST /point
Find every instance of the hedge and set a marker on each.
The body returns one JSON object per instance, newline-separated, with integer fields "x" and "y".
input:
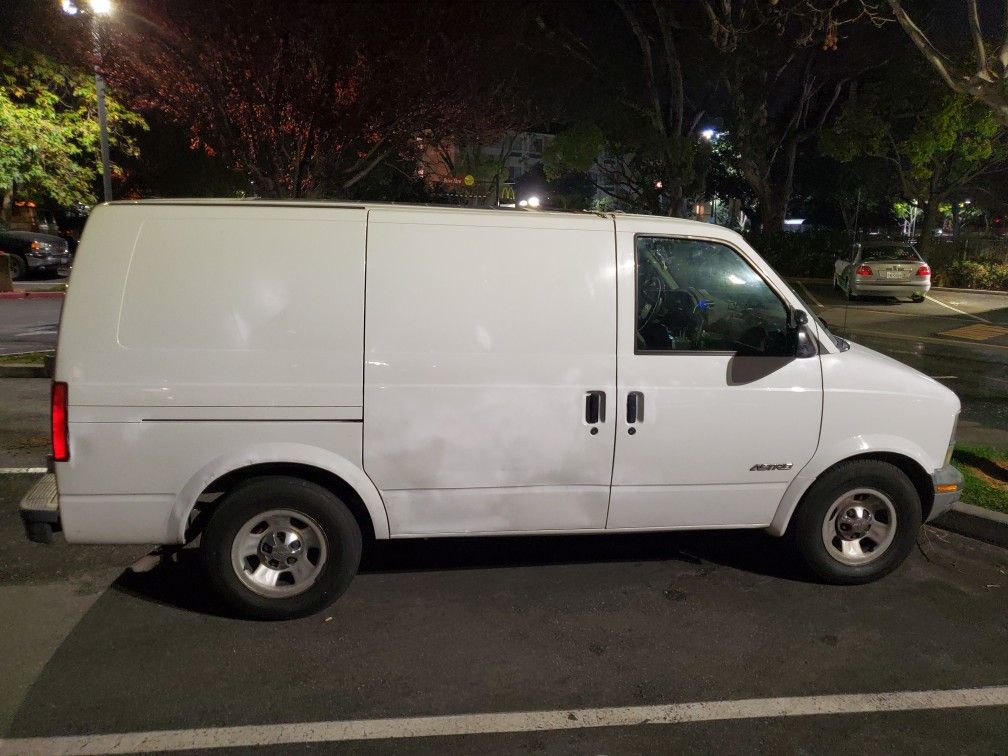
{"x": 961, "y": 263}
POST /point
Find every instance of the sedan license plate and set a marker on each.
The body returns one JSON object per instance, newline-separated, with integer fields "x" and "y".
{"x": 894, "y": 274}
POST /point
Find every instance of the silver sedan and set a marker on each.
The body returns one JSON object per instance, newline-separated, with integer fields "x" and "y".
{"x": 885, "y": 269}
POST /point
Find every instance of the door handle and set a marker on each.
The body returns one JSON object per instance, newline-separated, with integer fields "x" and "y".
{"x": 595, "y": 407}
{"x": 634, "y": 407}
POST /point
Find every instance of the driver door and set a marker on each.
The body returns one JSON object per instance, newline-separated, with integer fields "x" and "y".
{"x": 715, "y": 414}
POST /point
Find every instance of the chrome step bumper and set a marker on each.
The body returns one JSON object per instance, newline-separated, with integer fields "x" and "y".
{"x": 40, "y": 510}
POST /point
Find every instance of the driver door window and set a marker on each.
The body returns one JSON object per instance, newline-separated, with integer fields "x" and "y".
{"x": 702, "y": 296}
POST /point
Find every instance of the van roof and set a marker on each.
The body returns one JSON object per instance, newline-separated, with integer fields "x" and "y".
{"x": 420, "y": 208}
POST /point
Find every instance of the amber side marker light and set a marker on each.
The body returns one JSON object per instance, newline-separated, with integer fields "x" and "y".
{"x": 946, "y": 488}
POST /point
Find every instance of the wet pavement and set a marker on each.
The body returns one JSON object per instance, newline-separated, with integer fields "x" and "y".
{"x": 29, "y": 325}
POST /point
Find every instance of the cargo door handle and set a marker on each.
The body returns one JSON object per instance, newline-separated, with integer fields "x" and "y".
{"x": 634, "y": 407}
{"x": 595, "y": 407}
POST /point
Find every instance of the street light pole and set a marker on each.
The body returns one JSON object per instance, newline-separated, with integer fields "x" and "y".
{"x": 102, "y": 115}
{"x": 97, "y": 8}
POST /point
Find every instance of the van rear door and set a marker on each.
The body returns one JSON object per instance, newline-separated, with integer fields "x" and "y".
{"x": 489, "y": 354}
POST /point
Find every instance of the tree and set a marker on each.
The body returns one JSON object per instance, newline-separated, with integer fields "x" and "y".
{"x": 640, "y": 142}
{"x": 309, "y": 98}
{"x": 781, "y": 77}
{"x": 985, "y": 78}
{"x": 49, "y": 145}
{"x": 935, "y": 148}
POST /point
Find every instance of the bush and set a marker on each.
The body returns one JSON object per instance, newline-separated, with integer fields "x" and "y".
{"x": 805, "y": 255}
{"x": 970, "y": 274}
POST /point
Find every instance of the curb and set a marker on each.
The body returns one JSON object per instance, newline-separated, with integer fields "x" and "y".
{"x": 975, "y": 522}
{"x": 22, "y": 294}
{"x": 970, "y": 291}
{"x": 802, "y": 279}
{"x": 23, "y": 371}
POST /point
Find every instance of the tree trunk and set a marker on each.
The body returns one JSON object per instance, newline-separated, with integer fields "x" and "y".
{"x": 7, "y": 207}
{"x": 773, "y": 209}
{"x": 926, "y": 224}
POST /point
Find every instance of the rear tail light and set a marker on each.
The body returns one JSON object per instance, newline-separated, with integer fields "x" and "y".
{"x": 863, "y": 270}
{"x": 60, "y": 435}
{"x": 923, "y": 270}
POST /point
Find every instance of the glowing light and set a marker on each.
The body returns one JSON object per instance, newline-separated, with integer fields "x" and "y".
{"x": 69, "y": 7}
{"x": 533, "y": 201}
{"x": 708, "y": 134}
{"x": 100, "y": 7}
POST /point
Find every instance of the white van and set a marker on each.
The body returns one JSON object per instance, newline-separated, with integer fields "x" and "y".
{"x": 289, "y": 381}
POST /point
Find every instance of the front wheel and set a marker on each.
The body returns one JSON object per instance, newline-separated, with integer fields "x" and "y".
{"x": 18, "y": 267}
{"x": 858, "y": 522}
{"x": 280, "y": 547}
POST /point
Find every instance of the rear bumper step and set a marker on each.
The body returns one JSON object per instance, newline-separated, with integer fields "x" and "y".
{"x": 40, "y": 510}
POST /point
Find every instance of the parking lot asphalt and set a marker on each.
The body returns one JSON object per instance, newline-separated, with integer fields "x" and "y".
{"x": 28, "y": 325}
{"x": 456, "y": 627}
{"x": 560, "y": 627}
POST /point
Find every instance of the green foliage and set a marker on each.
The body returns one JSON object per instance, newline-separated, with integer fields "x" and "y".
{"x": 972, "y": 274}
{"x": 960, "y": 131}
{"x": 642, "y": 167}
{"x": 574, "y": 149}
{"x": 809, "y": 254}
{"x": 984, "y": 471}
{"x": 49, "y": 128}
{"x": 932, "y": 146}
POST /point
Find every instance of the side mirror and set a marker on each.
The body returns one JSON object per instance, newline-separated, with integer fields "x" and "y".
{"x": 805, "y": 342}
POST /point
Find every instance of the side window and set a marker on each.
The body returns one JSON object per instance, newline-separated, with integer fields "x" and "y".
{"x": 700, "y": 296}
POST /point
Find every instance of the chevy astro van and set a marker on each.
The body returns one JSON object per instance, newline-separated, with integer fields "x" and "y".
{"x": 287, "y": 382}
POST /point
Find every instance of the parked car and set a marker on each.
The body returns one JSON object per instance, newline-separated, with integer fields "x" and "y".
{"x": 883, "y": 268}
{"x": 31, "y": 252}
{"x": 509, "y": 372}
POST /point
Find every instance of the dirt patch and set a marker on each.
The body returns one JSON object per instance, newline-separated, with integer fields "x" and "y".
{"x": 26, "y": 442}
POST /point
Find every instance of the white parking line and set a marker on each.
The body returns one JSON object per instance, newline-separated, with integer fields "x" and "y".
{"x": 527, "y": 721}
{"x": 22, "y": 470}
{"x": 956, "y": 309}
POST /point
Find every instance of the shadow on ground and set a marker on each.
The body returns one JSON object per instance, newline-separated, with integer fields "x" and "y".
{"x": 178, "y": 579}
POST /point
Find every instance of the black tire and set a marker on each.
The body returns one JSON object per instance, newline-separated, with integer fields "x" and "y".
{"x": 807, "y": 523}
{"x": 18, "y": 266}
{"x": 269, "y": 493}
{"x": 917, "y": 298}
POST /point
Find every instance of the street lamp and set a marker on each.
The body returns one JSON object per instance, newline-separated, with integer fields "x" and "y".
{"x": 97, "y": 8}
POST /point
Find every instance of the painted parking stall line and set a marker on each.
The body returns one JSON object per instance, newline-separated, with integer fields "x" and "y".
{"x": 955, "y": 309}
{"x": 23, "y": 470}
{"x": 508, "y": 722}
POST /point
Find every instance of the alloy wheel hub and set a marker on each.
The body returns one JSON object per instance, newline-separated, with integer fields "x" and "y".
{"x": 854, "y": 522}
{"x": 280, "y": 548}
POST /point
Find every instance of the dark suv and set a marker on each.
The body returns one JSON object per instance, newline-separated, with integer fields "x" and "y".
{"x": 32, "y": 252}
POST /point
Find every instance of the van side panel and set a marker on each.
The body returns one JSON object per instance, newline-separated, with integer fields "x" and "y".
{"x": 191, "y": 306}
{"x": 193, "y": 331}
{"x": 482, "y": 338}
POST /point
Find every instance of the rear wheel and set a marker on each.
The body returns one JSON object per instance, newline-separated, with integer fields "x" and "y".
{"x": 918, "y": 298}
{"x": 858, "y": 522}
{"x": 280, "y": 547}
